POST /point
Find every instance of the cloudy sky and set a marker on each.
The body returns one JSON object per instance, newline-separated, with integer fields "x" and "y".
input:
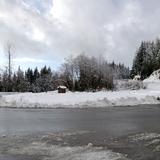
{"x": 46, "y": 31}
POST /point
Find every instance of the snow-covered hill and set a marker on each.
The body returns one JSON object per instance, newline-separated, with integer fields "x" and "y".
{"x": 153, "y": 81}
{"x": 154, "y": 77}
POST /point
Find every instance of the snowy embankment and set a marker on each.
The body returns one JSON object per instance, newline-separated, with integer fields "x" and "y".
{"x": 84, "y": 99}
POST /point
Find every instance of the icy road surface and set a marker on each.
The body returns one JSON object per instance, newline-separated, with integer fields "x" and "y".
{"x": 120, "y": 133}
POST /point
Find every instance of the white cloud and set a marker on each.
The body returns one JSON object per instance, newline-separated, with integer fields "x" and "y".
{"x": 29, "y": 60}
{"x": 54, "y": 29}
{"x": 38, "y": 34}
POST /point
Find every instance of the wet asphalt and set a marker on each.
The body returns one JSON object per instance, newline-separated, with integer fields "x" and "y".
{"x": 109, "y": 128}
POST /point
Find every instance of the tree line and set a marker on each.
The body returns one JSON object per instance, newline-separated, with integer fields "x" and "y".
{"x": 147, "y": 59}
{"x": 81, "y": 73}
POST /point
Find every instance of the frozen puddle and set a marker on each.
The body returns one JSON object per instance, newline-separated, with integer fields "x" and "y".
{"x": 52, "y": 152}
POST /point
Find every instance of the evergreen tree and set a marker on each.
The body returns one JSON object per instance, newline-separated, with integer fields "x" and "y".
{"x": 36, "y": 74}
{"x": 147, "y": 59}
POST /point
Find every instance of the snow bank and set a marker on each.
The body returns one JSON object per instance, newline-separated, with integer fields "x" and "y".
{"x": 81, "y": 99}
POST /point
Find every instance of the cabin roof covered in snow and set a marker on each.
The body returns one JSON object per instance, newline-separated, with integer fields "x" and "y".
{"x": 62, "y": 87}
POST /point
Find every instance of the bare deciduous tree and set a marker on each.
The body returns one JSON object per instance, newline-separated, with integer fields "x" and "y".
{"x": 9, "y": 54}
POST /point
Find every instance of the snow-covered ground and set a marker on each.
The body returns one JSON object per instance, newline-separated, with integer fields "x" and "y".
{"x": 84, "y": 99}
{"x": 128, "y": 97}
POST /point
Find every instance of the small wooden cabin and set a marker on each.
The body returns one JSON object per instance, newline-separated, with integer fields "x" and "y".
{"x": 62, "y": 89}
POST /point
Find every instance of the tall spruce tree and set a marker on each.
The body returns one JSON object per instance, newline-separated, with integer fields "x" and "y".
{"x": 147, "y": 59}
